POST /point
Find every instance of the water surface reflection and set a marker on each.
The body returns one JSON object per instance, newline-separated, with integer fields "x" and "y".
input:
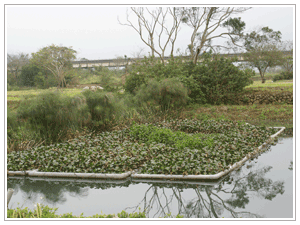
{"x": 261, "y": 188}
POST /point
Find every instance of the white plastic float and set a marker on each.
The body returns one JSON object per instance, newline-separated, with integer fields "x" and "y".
{"x": 35, "y": 173}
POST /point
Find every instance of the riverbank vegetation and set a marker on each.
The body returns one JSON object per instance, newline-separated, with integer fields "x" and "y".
{"x": 152, "y": 92}
{"x": 42, "y": 211}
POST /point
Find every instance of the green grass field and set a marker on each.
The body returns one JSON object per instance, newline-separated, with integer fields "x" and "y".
{"x": 269, "y": 83}
{"x": 17, "y": 95}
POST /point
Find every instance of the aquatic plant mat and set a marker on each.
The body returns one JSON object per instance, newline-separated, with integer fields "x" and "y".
{"x": 173, "y": 150}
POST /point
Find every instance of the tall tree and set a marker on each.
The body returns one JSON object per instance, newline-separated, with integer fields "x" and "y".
{"x": 207, "y": 22}
{"x": 262, "y": 49}
{"x": 152, "y": 24}
{"x": 56, "y": 59}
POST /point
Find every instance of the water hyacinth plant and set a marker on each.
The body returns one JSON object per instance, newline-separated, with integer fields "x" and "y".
{"x": 181, "y": 147}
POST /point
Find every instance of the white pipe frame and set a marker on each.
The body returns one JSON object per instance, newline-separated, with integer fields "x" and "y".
{"x": 35, "y": 173}
{"x": 210, "y": 177}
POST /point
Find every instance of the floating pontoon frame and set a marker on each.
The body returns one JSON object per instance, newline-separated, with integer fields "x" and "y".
{"x": 35, "y": 173}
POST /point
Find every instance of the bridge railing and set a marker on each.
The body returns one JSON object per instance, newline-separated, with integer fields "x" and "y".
{"x": 124, "y": 62}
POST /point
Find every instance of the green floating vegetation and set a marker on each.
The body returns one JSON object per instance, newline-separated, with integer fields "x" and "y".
{"x": 151, "y": 134}
{"x": 178, "y": 147}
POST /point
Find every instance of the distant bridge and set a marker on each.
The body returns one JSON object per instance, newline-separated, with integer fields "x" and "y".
{"x": 125, "y": 62}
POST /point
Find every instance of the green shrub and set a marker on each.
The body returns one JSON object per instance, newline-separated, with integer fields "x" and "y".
{"x": 71, "y": 77}
{"x": 215, "y": 80}
{"x": 20, "y": 135}
{"x": 12, "y": 88}
{"x": 107, "y": 78}
{"x": 133, "y": 82}
{"x": 285, "y": 75}
{"x": 28, "y": 74}
{"x": 35, "y": 76}
{"x": 45, "y": 80}
{"x": 150, "y": 68}
{"x": 103, "y": 107}
{"x": 277, "y": 77}
{"x": 162, "y": 95}
{"x": 219, "y": 79}
{"x": 53, "y": 114}
{"x": 12, "y": 122}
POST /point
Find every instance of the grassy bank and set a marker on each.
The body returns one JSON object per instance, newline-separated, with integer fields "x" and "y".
{"x": 269, "y": 115}
{"x": 286, "y": 84}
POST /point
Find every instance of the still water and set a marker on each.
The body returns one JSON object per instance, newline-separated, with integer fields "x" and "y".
{"x": 262, "y": 188}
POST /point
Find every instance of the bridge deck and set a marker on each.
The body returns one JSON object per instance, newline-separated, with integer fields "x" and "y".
{"x": 124, "y": 62}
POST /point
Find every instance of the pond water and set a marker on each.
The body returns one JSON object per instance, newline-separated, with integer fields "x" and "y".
{"x": 262, "y": 188}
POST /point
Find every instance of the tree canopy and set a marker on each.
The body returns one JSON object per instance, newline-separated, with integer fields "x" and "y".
{"x": 262, "y": 49}
{"x": 56, "y": 59}
{"x": 207, "y": 22}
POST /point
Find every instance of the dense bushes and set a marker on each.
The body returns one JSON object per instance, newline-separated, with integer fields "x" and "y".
{"x": 103, "y": 107}
{"x": 35, "y": 76}
{"x": 53, "y": 114}
{"x": 286, "y": 75}
{"x": 219, "y": 79}
{"x": 32, "y": 75}
{"x": 20, "y": 136}
{"x": 12, "y": 122}
{"x": 28, "y": 74}
{"x": 107, "y": 78}
{"x": 150, "y": 68}
{"x": 163, "y": 95}
{"x": 212, "y": 81}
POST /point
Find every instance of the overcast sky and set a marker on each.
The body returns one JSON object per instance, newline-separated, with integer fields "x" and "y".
{"x": 94, "y": 31}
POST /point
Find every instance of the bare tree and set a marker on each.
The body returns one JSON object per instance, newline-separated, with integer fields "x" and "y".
{"x": 206, "y": 22}
{"x": 156, "y": 26}
{"x": 138, "y": 54}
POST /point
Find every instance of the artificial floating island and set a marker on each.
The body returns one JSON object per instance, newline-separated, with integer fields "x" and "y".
{"x": 169, "y": 149}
